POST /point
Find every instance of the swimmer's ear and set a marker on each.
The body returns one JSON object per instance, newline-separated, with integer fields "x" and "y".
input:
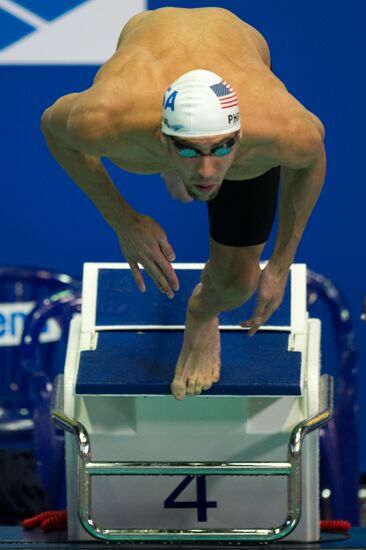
{"x": 163, "y": 139}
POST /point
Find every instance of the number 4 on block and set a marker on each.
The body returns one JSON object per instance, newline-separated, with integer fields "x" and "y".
{"x": 201, "y": 503}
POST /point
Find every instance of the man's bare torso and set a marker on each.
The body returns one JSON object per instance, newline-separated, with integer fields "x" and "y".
{"x": 154, "y": 49}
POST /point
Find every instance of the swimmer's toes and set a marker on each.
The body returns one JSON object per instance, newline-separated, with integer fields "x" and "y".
{"x": 198, "y": 387}
{"x": 178, "y": 389}
{"x": 207, "y": 383}
{"x": 191, "y": 385}
{"x": 216, "y": 374}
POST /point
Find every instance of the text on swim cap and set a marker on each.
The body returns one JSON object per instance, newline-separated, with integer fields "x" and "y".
{"x": 170, "y": 101}
{"x": 233, "y": 118}
{"x": 175, "y": 127}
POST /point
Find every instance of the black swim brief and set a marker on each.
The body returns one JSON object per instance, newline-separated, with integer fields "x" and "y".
{"x": 242, "y": 213}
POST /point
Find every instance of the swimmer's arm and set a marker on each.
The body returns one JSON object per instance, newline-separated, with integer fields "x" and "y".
{"x": 301, "y": 183}
{"x": 302, "y": 178}
{"x": 78, "y": 155}
{"x": 77, "y": 136}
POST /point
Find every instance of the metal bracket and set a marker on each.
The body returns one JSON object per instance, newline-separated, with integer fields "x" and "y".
{"x": 291, "y": 469}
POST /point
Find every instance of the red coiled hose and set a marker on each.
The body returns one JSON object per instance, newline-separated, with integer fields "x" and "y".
{"x": 54, "y": 520}
{"x": 335, "y": 525}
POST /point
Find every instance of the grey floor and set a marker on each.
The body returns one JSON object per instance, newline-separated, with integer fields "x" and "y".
{"x": 16, "y": 537}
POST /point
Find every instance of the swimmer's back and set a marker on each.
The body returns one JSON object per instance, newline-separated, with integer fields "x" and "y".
{"x": 188, "y": 36}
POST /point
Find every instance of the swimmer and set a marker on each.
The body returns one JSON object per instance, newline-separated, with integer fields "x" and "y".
{"x": 227, "y": 130}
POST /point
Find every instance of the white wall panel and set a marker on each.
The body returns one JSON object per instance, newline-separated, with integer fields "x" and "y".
{"x": 86, "y": 35}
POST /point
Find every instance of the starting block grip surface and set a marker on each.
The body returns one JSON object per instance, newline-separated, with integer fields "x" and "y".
{"x": 119, "y": 302}
{"x": 143, "y": 362}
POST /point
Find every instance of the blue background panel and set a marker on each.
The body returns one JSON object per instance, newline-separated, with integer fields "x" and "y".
{"x": 119, "y": 302}
{"x": 12, "y": 29}
{"x": 50, "y": 10}
{"x": 129, "y": 362}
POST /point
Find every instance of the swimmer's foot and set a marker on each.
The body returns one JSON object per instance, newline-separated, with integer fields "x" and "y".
{"x": 198, "y": 365}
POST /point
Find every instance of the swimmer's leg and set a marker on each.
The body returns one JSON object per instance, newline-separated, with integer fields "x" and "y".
{"x": 228, "y": 280}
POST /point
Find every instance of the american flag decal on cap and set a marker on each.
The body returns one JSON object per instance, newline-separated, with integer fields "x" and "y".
{"x": 226, "y": 94}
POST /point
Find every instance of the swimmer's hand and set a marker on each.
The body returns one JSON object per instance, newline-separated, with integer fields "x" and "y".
{"x": 175, "y": 186}
{"x": 270, "y": 290}
{"x": 143, "y": 241}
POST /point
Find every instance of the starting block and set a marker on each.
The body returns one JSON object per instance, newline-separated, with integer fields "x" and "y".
{"x": 232, "y": 464}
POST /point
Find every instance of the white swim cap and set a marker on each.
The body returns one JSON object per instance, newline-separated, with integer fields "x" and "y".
{"x": 200, "y": 103}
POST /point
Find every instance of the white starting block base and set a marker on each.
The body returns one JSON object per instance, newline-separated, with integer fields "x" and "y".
{"x": 207, "y": 428}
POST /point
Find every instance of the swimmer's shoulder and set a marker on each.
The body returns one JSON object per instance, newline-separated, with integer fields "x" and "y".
{"x": 298, "y": 135}
{"x": 104, "y": 122}
{"x": 278, "y": 126}
{"x": 94, "y": 121}
{"x": 131, "y": 25}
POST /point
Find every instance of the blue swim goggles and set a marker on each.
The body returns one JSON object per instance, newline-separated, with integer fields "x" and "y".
{"x": 190, "y": 152}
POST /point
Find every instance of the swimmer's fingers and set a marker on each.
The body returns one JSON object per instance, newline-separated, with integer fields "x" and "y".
{"x": 262, "y": 312}
{"x": 270, "y": 290}
{"x": 165, "y": 266}
{"x": 144, "y": 242}
{"x": 155, "y": 256}
{"x": 160, "y": 271}
{"x": 136, "y": 273}
{"x": 156, "y": 276}
{"x": 166, "y": 249}
{"x": 164, "y": 276}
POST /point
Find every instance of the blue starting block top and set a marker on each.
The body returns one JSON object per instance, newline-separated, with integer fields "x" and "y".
{"x": 143, "y": 362}
{"x": 120, "y": 303}
{"x": 138, "y": 346}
